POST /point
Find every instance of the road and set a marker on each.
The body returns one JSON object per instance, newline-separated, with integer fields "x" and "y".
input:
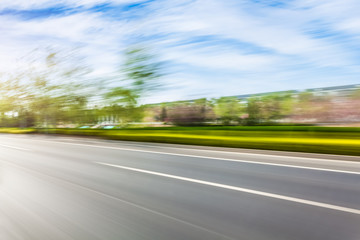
{"x": 78, "y": 188}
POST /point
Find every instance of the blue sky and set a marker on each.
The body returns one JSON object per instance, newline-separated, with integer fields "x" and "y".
{"x": 213, "y": 47}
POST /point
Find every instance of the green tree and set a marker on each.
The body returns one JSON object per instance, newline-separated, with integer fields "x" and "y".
{"x": 269, "y": 108}
{"x": 142, "y": 71}
{"x": 57, "y": 93}
{"x": 228, "y": 109}
{"x": 14, "y": 98}
{"x": 254, "y": 110}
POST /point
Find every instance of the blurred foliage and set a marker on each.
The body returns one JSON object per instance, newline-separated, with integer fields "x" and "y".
{"x": 269, "y": 108}
{"x": 229, "y": 110}
{"x": 184, "y": 113}
{"x": 142, "y": 71}
{"x": 55, "y": 90}
{"x": 142, "y": 68}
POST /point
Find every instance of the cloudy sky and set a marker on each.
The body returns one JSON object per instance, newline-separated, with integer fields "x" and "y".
{"x": 212, "y": 47}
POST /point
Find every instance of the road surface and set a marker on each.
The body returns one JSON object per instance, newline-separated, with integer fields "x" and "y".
{"x": 75, "y": 188}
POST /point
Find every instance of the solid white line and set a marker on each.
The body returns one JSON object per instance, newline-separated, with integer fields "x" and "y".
{"x": 264, "y": 155}
{"x": 246, "y": 190}
{"x": 238, "y": 153}
{"x": 215, "y": 158}
{"x": 18, "y": 148}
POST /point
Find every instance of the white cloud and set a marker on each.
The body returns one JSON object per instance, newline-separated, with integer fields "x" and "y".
{"x": 224, "y": 60}
{"x": 99, "y": 39}
{"x": 34, "y": 4}
{"x": 341, "y": 15}
{"x": 292, "y": 49}
{"x": 280, "y": 31}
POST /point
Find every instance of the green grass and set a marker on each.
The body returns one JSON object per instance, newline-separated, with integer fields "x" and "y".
{"x": 257, "y": 128}
{"x": 328, "y": 140}
{"x": 17, "y": 130}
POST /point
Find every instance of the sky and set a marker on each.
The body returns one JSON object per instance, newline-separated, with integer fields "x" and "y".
{"x": 211, "y": 48}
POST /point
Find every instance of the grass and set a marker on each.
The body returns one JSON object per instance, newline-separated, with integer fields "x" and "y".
{"x": 330, "y": 140}
{"x": 17, "y": 130}
{"x": 345, "y": 141}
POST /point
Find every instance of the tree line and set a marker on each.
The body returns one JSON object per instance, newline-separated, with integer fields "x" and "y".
{"x": 305, "y": 107}
{"x": 56, "y": 91}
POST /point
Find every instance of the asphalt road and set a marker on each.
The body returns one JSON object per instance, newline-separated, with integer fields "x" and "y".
{"x": 75, "y": 188}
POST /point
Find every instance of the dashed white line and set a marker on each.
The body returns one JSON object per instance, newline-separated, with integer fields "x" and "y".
{"x": 239, "y": 189}
{"x": 78, "y": 186}
{"x": 18, "y": 148}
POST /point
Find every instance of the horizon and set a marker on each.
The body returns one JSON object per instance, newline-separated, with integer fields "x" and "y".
{"x": 266, "y": 93}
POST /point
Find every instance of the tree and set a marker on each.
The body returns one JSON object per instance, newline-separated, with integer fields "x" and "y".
{"x": 142, "y": 71}
{"x": 185, "y": 113}
{"x": 269, "y": 108}
{"x": 56, "y": 93}
{"x": 254, "y": 111}
{"x": 14, "y": 97}
{"x": 228, "y": 109}
{"x": 312, "y": 108}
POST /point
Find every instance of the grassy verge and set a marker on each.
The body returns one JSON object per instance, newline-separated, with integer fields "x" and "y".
{"x": 17, "y": 130}
{"x": 345, "y": 141}
{"x": 328, "y": 140}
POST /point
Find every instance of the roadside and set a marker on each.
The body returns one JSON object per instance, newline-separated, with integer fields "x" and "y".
{"x": 298, "y": 140}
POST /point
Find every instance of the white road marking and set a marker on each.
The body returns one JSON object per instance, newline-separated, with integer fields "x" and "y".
{"x": 214, "y": 158}
{"x": 78, "y": 186}
{"x": 217, "y": 158}
{"x": 246, "y": 190}
{"x": 240, "y": 153}
{"x": 262, "y": 154}
{"x": 18, "y": 148}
